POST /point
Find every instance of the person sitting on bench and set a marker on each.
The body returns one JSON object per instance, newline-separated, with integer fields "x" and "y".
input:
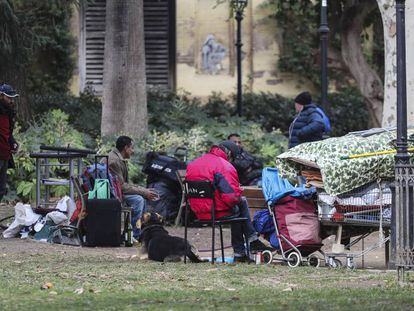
{"x": 133, "y": 194}
{"x": 215, "y": 166}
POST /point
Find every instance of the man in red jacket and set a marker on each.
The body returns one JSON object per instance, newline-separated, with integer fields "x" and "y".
{"x": 216, "y": 167}
{"x": 7, "y": 144}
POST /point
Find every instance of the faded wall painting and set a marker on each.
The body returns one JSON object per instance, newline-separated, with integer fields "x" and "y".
{"x": 212, "y": 55}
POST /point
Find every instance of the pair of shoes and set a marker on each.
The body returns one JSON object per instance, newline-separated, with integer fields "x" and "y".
{"x": 242, "y": 259}
{"x": 259, "y": 246}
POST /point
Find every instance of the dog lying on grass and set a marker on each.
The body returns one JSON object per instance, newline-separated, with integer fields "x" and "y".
{"x": 159, "y": 245}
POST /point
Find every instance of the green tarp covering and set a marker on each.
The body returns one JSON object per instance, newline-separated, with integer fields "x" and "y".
{"x": 340, "y": 176}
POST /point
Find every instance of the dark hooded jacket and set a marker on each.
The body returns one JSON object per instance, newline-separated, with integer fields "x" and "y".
{"x": 306, "y": 127}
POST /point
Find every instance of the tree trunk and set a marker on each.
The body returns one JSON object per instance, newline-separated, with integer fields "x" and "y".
{"x": 387, "y": 8}
{"x": 124, "y": 82}
{"x": 367, "y": 79}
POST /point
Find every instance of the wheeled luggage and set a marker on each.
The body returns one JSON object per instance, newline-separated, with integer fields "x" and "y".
{"x": 103, "y": 215}
{"x": 103, "y": 222}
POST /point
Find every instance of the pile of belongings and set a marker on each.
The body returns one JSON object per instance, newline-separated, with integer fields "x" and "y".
{"x": 51, "y": 226}
{"x": 347, "y": 171}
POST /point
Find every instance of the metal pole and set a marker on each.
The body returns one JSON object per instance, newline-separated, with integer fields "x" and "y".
{"x": 324, "y": 30}
{"x": 403, "y": 210}
{"x": 239, "y": 18}
{"x": 402, "y": 156}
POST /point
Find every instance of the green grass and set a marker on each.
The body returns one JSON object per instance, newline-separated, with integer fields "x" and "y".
{"x": 111, "y": 283}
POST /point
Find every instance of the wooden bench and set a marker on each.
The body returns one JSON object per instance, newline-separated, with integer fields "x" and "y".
{"x": 255, "y": 199}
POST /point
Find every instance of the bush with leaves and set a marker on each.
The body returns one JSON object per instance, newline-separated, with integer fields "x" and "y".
{"x": 84, "y": 110}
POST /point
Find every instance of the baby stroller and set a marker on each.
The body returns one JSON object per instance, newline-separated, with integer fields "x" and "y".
{"x": 295, "y": 221}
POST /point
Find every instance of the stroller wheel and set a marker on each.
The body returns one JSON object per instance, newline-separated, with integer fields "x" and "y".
{"x": 293, "y": 260}
{"x": 267, "y": 257}
{"x": 314, "y": 261}
{"x": 335, "y": 263}
{"x": 350, "y": 264}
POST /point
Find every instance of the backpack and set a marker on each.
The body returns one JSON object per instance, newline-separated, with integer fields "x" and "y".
{"x": 325, "y": 119}
{"x": 89, "y": 176}
{"x": 161, "y": 166}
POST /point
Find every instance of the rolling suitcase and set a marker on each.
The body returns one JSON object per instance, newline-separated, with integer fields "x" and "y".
{"x": 103, "y": 220}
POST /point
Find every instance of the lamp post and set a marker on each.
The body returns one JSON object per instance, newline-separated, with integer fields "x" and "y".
{"x": 324, "y": 30}
{"x": 402, "y": 221}
{"x": 238, "y": 8}
{"x": 402, "y": 156}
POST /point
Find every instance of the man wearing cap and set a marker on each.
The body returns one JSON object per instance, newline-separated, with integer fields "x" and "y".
{"x": 215, "y": 166}
{"x": 308, "y": 124}
{"x": 8, "y": 145}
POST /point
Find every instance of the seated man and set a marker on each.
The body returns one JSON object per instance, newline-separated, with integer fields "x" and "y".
{"x": 248, "y": 167}
{"x": 215, "y": 166}
{"x": 133, "y": 195}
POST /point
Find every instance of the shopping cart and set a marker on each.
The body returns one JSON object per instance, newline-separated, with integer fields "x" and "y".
{"x": 360, "y": 212}
{"x": 295, "y": 221}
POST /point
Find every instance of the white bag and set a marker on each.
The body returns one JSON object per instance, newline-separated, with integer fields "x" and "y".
{"x": 66, "y": 205}
{"x": 23, "y": 217}
{"x": 56, "y": 217}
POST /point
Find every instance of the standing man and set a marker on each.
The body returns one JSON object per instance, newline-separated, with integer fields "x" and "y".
{"x": 308, "y": 124}
{"x": 215, "y": 166}
{"x": 8, "y": 145}
{"x": 133, "y": 194}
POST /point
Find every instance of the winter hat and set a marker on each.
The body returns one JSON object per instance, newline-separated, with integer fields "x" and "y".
{"x": 304, "y": 98}
{"x": 8, "y": 91}
{"x": 231, "y": 146}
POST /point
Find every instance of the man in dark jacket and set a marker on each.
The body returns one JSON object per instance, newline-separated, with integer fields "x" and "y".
{"x": 308, "y": 124}
{"x": 216, "y": 167}
{"x": 247, "y": 166}
{"x": 8, "y": 145}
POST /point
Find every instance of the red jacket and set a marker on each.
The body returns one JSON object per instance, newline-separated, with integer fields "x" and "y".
{"x": 215, "y": 167}
{"x": 5, "y": 150}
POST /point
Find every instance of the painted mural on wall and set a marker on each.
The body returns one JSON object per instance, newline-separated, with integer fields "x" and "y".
{"x": 212, "y": 55}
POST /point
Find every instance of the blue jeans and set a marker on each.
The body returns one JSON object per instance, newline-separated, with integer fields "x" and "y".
{"x": 242, "y": 231}
{"x": 137, "y": 204}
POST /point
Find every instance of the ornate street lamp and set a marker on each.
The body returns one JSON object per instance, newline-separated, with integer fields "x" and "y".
{"x": 238, "y": 8}
{"x": 324, "y": 30}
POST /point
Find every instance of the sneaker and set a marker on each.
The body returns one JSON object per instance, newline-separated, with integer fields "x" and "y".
{"x": 242, "y": 259}
{"x": 259, "y": 246}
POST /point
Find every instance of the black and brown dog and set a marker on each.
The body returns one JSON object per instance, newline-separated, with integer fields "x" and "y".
{"x": 159, "y": 245}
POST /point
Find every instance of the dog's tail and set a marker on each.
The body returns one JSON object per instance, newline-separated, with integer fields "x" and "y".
{"x": 193, "y": 255}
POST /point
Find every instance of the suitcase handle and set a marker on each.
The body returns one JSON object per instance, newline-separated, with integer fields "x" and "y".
{"x": 96, "y": 165}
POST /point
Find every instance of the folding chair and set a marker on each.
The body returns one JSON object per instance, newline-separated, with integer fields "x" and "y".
{"x": 205, "y": 190}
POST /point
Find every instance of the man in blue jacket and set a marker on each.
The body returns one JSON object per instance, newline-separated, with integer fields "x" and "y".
{"x": 308, "y": 124}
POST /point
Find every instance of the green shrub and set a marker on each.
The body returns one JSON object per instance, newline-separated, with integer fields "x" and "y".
{"x": 84, "y": 110}
{"x": 348, "y": 112}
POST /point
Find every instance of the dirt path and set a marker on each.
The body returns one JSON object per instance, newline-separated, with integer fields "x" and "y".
{"x": 200, "y": 237}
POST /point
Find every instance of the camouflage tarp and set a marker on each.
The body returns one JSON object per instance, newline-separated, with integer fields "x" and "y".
{"x": 340, "y": 176}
